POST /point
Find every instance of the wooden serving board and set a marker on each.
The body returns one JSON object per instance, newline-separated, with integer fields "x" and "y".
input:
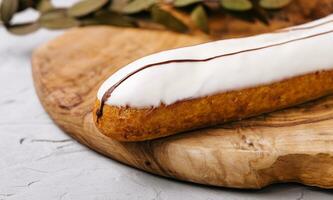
{"x": 293, "y": 145}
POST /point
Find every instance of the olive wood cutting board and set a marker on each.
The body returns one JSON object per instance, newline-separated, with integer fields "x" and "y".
{"x": 292, "y": 145}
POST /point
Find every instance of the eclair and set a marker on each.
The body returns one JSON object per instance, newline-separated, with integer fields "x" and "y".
{"x": 204, "y": 85}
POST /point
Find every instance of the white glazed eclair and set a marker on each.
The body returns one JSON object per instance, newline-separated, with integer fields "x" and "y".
{"x": 198, "y": 86}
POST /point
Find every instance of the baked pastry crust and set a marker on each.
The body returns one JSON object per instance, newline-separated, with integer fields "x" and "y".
{"x": 138, "y": 124}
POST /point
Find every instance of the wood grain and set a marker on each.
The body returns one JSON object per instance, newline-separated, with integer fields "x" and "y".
{"x": 293, "y": 145}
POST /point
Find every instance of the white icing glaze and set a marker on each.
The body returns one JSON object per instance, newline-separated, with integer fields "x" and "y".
{"x": 174, "y": 82}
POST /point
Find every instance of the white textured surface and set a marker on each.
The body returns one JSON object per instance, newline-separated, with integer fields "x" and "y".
{"x": 39, "y": 161}
{"x": 177, "y": 81}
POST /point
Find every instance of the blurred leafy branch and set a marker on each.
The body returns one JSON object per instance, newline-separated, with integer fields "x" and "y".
{"x": 132, "y": 13}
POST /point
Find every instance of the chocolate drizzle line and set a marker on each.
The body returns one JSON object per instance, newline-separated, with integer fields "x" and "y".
{"x": 108, "y": 93}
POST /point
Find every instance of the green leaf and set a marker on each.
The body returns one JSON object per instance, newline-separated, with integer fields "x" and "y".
{"x": 118, "y": 5}
{"x": 274, "y": 4}
{"x": 237, "y": 5}
{"x": 57, "y": 19}
{"x": 109, "y": 18}
{"x": 53, "y": 14}
{"x": 136, "y": 6}
{"x": 8, "y": 9}
{"x": 183, "y": 3}
{"x": 85, "y": 7}
{"x": 199, "y": 17}
{"x": 23, "y": 29}
{"x": 168, "y": 20}
{"x": 44, "y": 5}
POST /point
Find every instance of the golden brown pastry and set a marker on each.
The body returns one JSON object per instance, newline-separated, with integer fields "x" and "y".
{"x": 194, "y": 87}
